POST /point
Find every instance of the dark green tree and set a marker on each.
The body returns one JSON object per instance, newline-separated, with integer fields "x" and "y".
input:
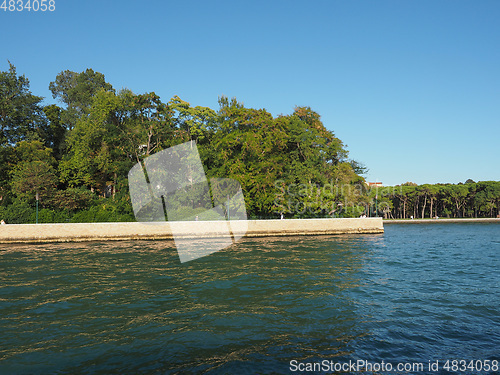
{"x": 30, "y": 178}
{"x": 118, "y": 131}
{"x": 21, "y": 113}
{"x": 76, "y": 91}
{"x": 55, "y": 132}
{"x": 34, "y": 172}
{"x": 21, "y": 118}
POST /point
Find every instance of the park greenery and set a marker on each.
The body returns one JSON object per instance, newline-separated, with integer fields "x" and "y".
{"x": 75, "y": 155}
{"x": 464, "y": 200}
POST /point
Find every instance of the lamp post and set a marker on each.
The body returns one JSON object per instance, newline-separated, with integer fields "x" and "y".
{"x": 37, "y": 207}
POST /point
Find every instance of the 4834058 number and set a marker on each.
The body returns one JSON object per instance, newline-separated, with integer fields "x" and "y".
{"x": 28, "y": 5}
{"x": 472, "y": 366}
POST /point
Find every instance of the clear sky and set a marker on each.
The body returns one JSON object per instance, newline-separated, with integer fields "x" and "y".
{"x": 412, "y": 87}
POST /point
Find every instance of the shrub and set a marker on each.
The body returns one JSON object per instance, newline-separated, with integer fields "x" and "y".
{"x": 19, "y": 212}
{"x": 73, "y": 199}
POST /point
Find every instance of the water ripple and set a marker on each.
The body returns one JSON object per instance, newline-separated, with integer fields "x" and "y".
{"x": 415, "y": 293}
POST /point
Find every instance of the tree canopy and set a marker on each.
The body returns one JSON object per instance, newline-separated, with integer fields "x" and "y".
{"x": 472, "y": 199}
{"x": 21, "y": 112}
{"x": 76, "y": 154}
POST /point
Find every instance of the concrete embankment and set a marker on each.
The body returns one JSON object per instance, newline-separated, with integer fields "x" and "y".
{"x": 441, "y": 221}
{"x": 32, "y": 233}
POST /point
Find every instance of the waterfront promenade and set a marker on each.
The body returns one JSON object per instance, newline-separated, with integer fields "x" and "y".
{"x": 33, "y": 233}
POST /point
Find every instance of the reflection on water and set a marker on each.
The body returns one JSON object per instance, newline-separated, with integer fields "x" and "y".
{"x": 415, "y": 293}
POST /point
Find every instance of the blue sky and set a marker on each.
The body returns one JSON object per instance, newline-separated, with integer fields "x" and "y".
{"x": 412, "y": 87}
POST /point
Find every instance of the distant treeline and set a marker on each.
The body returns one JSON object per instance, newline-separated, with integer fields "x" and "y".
{"x": 469, "y": 199}
{"x": 73, "y": 157}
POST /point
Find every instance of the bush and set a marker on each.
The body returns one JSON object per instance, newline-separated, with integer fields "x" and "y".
{"x": 96, "y": 210}
{"x": 352, "y": 211}
{"x": 105, "y": 210}
{"x": 19, "y": 212}
{"x": 73, "y": 199}
{"x": 51, "y": 216}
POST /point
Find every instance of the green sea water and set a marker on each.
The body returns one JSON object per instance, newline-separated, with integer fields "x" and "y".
{"x": 415, "y": 294}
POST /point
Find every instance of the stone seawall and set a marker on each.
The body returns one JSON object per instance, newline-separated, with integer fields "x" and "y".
{"x": 32, "y": 233}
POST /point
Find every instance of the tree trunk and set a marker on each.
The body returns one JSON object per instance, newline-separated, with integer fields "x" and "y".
{"x": 425, "y": 204}
{"x": 114, "y": 185}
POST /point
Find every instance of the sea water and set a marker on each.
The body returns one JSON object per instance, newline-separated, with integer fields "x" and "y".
{"x": 415, "y": 298}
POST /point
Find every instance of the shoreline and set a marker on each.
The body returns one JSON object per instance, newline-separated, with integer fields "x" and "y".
{"x": 79, "y": 232}
{"x": 442, "y": 220}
